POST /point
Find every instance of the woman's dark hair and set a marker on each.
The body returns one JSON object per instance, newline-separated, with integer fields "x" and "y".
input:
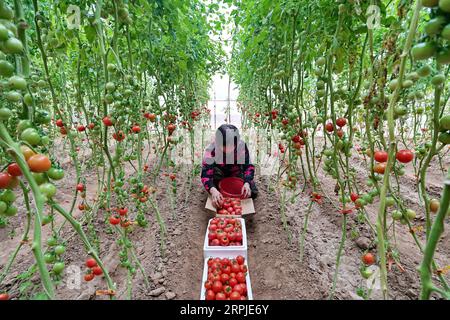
{"x": 227, "y": 135}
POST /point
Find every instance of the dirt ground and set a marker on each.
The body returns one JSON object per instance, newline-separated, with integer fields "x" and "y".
{"x": 276, "y": 271}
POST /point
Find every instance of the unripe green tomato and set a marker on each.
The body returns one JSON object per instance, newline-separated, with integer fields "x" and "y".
{"x": 374, "y": 193}
{"x": 31, "y": 136}
{"x": 28, "y": 99}
{"x": 424, "y": 71}
{"x": 110, "y": 87}
{"x": 13, "y": 96}
{"x": 58, "y": 267}
{"x": 435, "y": 25}
{"x": 24, "y": 124}
{"x": 6, "y": 68}
{"x": 49, "y": 258}
{"x": 444, "y": 123}
{"x": 397, "y": 215}
{"x": 367, "y": 198}
{"x": 419, "y": 110}
{"x": 47, "y": 219}
{"x": 40, "y": 178}
{"x": 60, "y": 249}
{"x": 17, "y": 83}
{"x": 407, "y": 84}
{"x": 52, "y": 241}
{"x": 8, "y": 196}
{"x": 401, "y": 172}
{"x": 410, "y": 214}
{"x": 360, "y": 202}
{"x": 393, "y": 84}
{"x": 423, "y": 51}
{"x": 366, "y": 273}
{"x": 446, "y": 32}
{"x": 5, "y": 114}
{"x": 13, "y": 46}
{"x": 390, "y": 201}
{"x": 11, "y": 211}
{"x": 55, "y": 173}
{"x": 444, "y": 137}
{"x": 438, "y": 79}
{"x": 48, "y": 189}
{"x": 443, "y": 56}
{"x": 3, "y": 207}
{"x": 45, "y": 140}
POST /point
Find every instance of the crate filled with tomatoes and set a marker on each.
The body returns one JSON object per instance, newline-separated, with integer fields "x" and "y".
{"x": 225, "y": 236}
{"x": 230, "y": 207}
{"x": 226, "y": 278}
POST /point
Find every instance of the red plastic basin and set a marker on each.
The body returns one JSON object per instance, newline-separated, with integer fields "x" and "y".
{"x": 231, "y": 187}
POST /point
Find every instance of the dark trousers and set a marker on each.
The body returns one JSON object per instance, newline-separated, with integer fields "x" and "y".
{"x": 219, "y": 175}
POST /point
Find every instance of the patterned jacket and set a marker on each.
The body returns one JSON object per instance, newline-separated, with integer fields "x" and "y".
{"x": 240, "y": 166}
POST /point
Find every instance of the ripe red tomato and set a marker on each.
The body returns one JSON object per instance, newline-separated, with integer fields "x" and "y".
{"x": 81, "y": 128}
{"x": 59, "y": 123}
{"x": 208, "y": 285}
{"x": 210, "y": 295}
{"x": 171, "y": 128}
{"x": 114, "y": 220}
{"x": 380, "y": 168}
{"x": 89, "y": 277}
{"x": 340, "y": 133}
{"x": 91, "y": 126}
{"x": 90, "y": 263}
{"x": 39, "y": 163}
{"x": 381, "y": 156}
{"x": 240, "y": 259}
{"x": 231, "y": 236}
{"x": 212, "y": 235}
{"x": 240, "y": 277}
{"x": 232, "y": 281}
{"x": 80, "y": 187}
{"x": 235, "y": 296}
{"x": 217, "y": 286}
{"x": 107, "y": 121}
{"x": 354, "y": 197}
{"x": 235, "y": 268}
{"x": 123, "y": 211}
{"x": 224, "y": 277}
{"x": 221, "y": 296}
{"x": 14, "y": 170}
{"x": 136, "y": 129}
{"x": 329, "y": 127}
{"x": 226, "y": 269}
{"x": 5, "y": 180}
{"x": 224, "y": 241}
{"x": 404, "y": 156}
{"x": 238, "y": 288}
{"x": 368, "y": 258}
{"x": 215, "y": 242}
{"x": 97, "y": 271}
{"x": 4, "y": 296}
{"x": 212, "y": 227}
{"x": 341, "y": 122}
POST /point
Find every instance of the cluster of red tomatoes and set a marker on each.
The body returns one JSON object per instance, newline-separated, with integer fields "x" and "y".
{"x": 230, "y": 206}
{"x": 226, "y": 279}
{"x": 340, "y": 122}
{"x": 121, "y": 217}
{"x": 225, "y": 232}
{"x": 94, "y": 270}
{"x": 381, "y": 157}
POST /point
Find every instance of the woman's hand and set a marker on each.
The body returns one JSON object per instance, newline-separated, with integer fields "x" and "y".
{"x": 246, "y": 191}
{"x": 216, "y": 197}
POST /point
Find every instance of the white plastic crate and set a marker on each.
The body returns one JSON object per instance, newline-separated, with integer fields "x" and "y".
{"x": 205, "y": 277}
{"x": 226, "y": 251}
